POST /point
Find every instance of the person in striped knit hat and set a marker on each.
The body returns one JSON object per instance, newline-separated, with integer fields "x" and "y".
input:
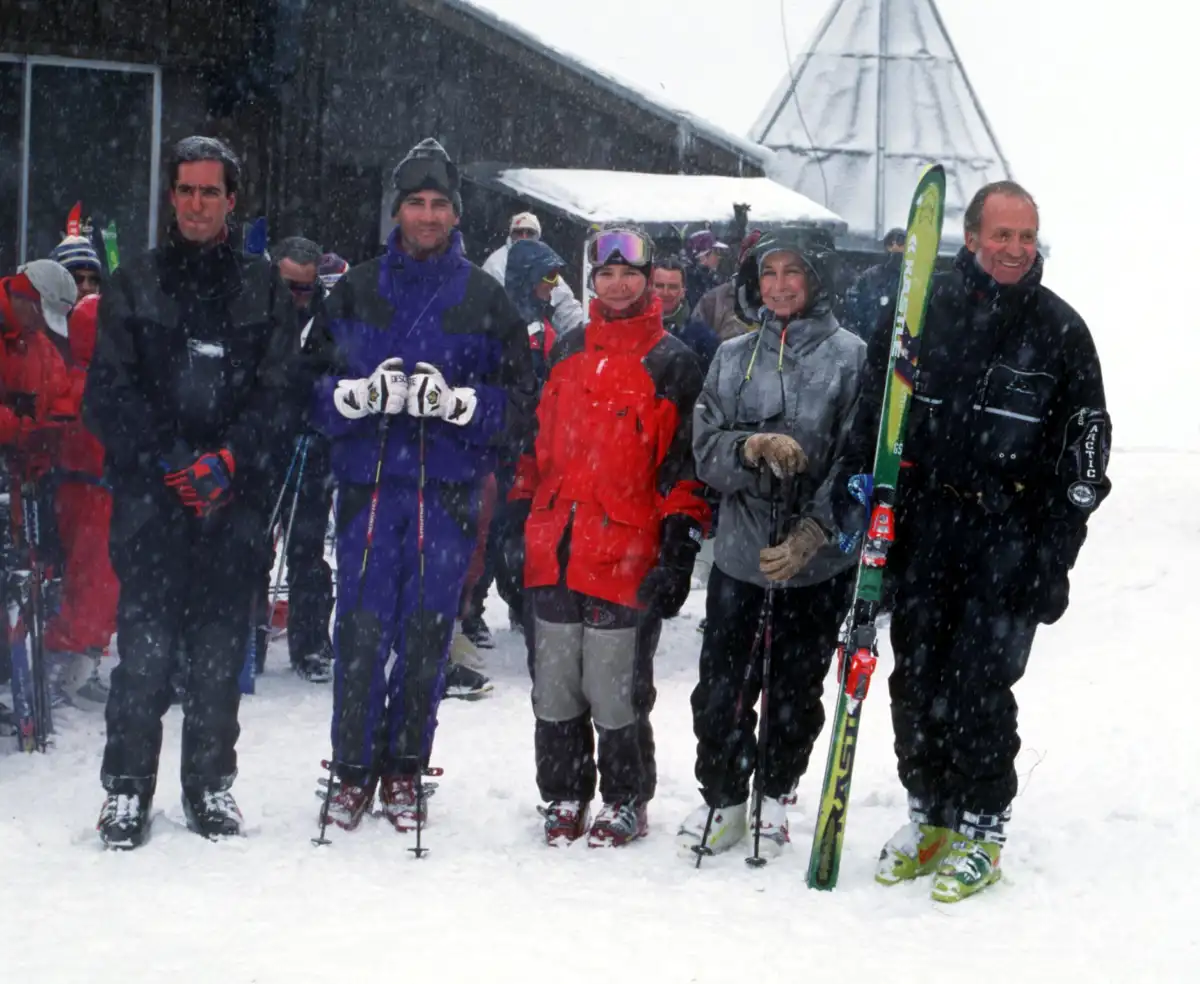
{"x": 79, "y": 256}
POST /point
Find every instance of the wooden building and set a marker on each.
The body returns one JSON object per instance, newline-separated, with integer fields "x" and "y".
{"x": 320, "y": 99}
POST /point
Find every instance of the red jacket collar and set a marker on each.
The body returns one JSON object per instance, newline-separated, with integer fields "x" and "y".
{"x": 645, "y": 327}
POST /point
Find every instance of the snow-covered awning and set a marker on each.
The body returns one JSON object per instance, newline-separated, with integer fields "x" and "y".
{"x": 662, "y": 203}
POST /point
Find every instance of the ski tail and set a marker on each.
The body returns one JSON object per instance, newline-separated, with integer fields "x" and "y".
{"x": 112, "y": 254}
{"x": 857, "y": 653}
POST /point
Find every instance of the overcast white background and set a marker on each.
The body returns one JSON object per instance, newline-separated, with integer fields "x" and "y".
{"x": 1094, "y": 103}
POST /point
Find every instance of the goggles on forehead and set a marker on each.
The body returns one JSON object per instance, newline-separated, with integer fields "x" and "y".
{"x": 624, "y": 245}
{"x": 425, "y": 175}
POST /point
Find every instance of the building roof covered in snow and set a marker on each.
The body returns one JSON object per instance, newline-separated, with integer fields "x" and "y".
{"x": 656, "y": 201}
{"x": 454, "y": 12}
{"x": 878, "y": 93}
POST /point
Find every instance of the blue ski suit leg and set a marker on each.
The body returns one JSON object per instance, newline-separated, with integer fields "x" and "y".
{"x": 384, "y": 723}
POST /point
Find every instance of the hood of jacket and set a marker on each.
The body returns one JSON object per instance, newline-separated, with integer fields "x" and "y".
{"x": 529, "y": 260}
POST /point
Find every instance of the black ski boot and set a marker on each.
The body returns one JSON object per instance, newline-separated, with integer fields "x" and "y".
{"x": 124, "y": 820}
{"x": 212, "y": 813}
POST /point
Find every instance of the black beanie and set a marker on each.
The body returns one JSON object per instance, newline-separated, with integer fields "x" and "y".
{"x": 427, "y": 167}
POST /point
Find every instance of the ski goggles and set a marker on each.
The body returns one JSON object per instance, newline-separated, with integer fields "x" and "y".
{"x": 621, "y": 246}
{"x": 425, "y": 175}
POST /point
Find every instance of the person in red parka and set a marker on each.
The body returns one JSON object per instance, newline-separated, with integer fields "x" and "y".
{"x": 34, "y": 388}
{"x": 615, "y": 519}
{"x": 80, "y": 631}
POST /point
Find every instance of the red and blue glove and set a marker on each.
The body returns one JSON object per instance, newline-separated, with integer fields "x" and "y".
{"x": 204, "y": 485}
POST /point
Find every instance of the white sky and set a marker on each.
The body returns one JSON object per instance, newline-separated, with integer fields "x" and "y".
{"x": 1093, "y": 102}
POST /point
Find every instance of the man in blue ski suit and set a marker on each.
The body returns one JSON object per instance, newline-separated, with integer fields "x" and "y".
{"x": 427, "y": 376}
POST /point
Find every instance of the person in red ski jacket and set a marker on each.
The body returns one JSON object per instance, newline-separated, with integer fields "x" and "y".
{"x": 34, "y": 388}
{"x": 614, "y": 521}
{"x": 80, "y": 631}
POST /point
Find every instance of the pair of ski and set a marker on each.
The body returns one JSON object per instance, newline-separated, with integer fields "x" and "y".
{"x": 857, "y": 652}
{"x": 25, "y": 605}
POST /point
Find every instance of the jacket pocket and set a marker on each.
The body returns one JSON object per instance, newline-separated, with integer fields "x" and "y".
{"x": 1010, "y": 417}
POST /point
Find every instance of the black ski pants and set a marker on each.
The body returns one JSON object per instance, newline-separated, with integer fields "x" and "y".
{"x": 309, "y": 576}
{"x": 805, "y": 632}
{"x": 186, "y": 584}
{"x": 962, "y": 630}
{"x": 310, "y": 580}
{"x": 592, "y": 663}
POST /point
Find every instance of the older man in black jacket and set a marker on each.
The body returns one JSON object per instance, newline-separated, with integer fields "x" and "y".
{"x": 1005, "y": 454}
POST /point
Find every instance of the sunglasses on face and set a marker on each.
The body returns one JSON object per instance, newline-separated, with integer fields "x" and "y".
{"x": 87, "y": 279}
{"x": 298, "y": 287}
{"x": 523, "y": 234}
{"x": 551, "y": 278}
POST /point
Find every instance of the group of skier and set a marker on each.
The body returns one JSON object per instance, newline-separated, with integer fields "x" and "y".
{"x": 619, "y": 442}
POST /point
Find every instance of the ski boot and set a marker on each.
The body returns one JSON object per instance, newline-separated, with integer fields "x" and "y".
{"x": 349, "y": 803}
{"x": 617, "y": 824}
{"x": 212, "y": 813}
{"x": 124, "y": 822}
{"x": 772, "y": 826}
{"x": 566, "y": 821}
{"x": 969, "y": 867}
{"x": 398, "y": 797}
{"x": 915, "y": 849}
{"x": 315, "y": 667}
{"x": 475, "y": 629}
{"x": 727, "y": 829}
{"x": 465, "y": 683}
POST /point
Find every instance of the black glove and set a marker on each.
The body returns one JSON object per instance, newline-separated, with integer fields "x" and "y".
{"x": 510, "y": 560}
{"x": 665, "y": 588}
{"x": 1049, "y": 588}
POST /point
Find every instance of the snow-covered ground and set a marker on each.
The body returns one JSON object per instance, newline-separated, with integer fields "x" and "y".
{"x": 1100, "y": 872}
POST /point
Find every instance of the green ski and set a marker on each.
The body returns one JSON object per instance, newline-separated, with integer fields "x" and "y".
{"x": 111, "y": 255}
{"x": 857, "y": 652}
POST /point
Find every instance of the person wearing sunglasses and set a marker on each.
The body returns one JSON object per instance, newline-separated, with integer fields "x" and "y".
{"x": 79, "y": 256}
{"x": 426, "y": 384}
{"x": 524, "y": 226}
{"x": 615, "y": 519}
{"x": 770, "y": 435}
{"x": 309, "y": 578}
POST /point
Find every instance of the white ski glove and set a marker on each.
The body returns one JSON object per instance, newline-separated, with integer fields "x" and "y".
{"x": 384, "y": 391}
{"x": 430, "y": 396}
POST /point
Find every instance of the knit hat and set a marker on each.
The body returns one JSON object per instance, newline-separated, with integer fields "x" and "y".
{"x": 331, "y": 269}
{"x": 427, "y": 167}
{"x": 699, "y": 243}
{"x": 77, "y": 253}
{"x": 526, "y": 221}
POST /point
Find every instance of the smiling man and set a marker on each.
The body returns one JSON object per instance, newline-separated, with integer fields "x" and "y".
{"x": 428, "y": 380}
{"x": 1006, "y": 450}
{"x": 194, "y": 389}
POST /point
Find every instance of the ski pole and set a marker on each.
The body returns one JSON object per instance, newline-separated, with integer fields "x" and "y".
{"x": 373, "y": 512}
{"x": 765, "y": 613}
{"x": 287, "y": 536}
{"x": 249, "y": 670}
{"x": 757, "y": 860}
{"x": 418, "y": 851}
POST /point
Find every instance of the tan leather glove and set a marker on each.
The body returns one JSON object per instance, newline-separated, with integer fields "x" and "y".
{"x": 784, "y": 562}
{"x": 784, "y": 456}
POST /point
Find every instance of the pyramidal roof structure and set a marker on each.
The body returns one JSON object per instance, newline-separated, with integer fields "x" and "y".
{"x": 878, "y": 94}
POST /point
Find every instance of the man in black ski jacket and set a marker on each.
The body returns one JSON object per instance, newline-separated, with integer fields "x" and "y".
{"x": 1005, "y": 459}
{"x": 194, "y": 390}
{"x": 309, "y": 577}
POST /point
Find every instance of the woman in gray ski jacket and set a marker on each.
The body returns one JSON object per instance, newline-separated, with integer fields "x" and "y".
{"x": 771, "y": 423}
